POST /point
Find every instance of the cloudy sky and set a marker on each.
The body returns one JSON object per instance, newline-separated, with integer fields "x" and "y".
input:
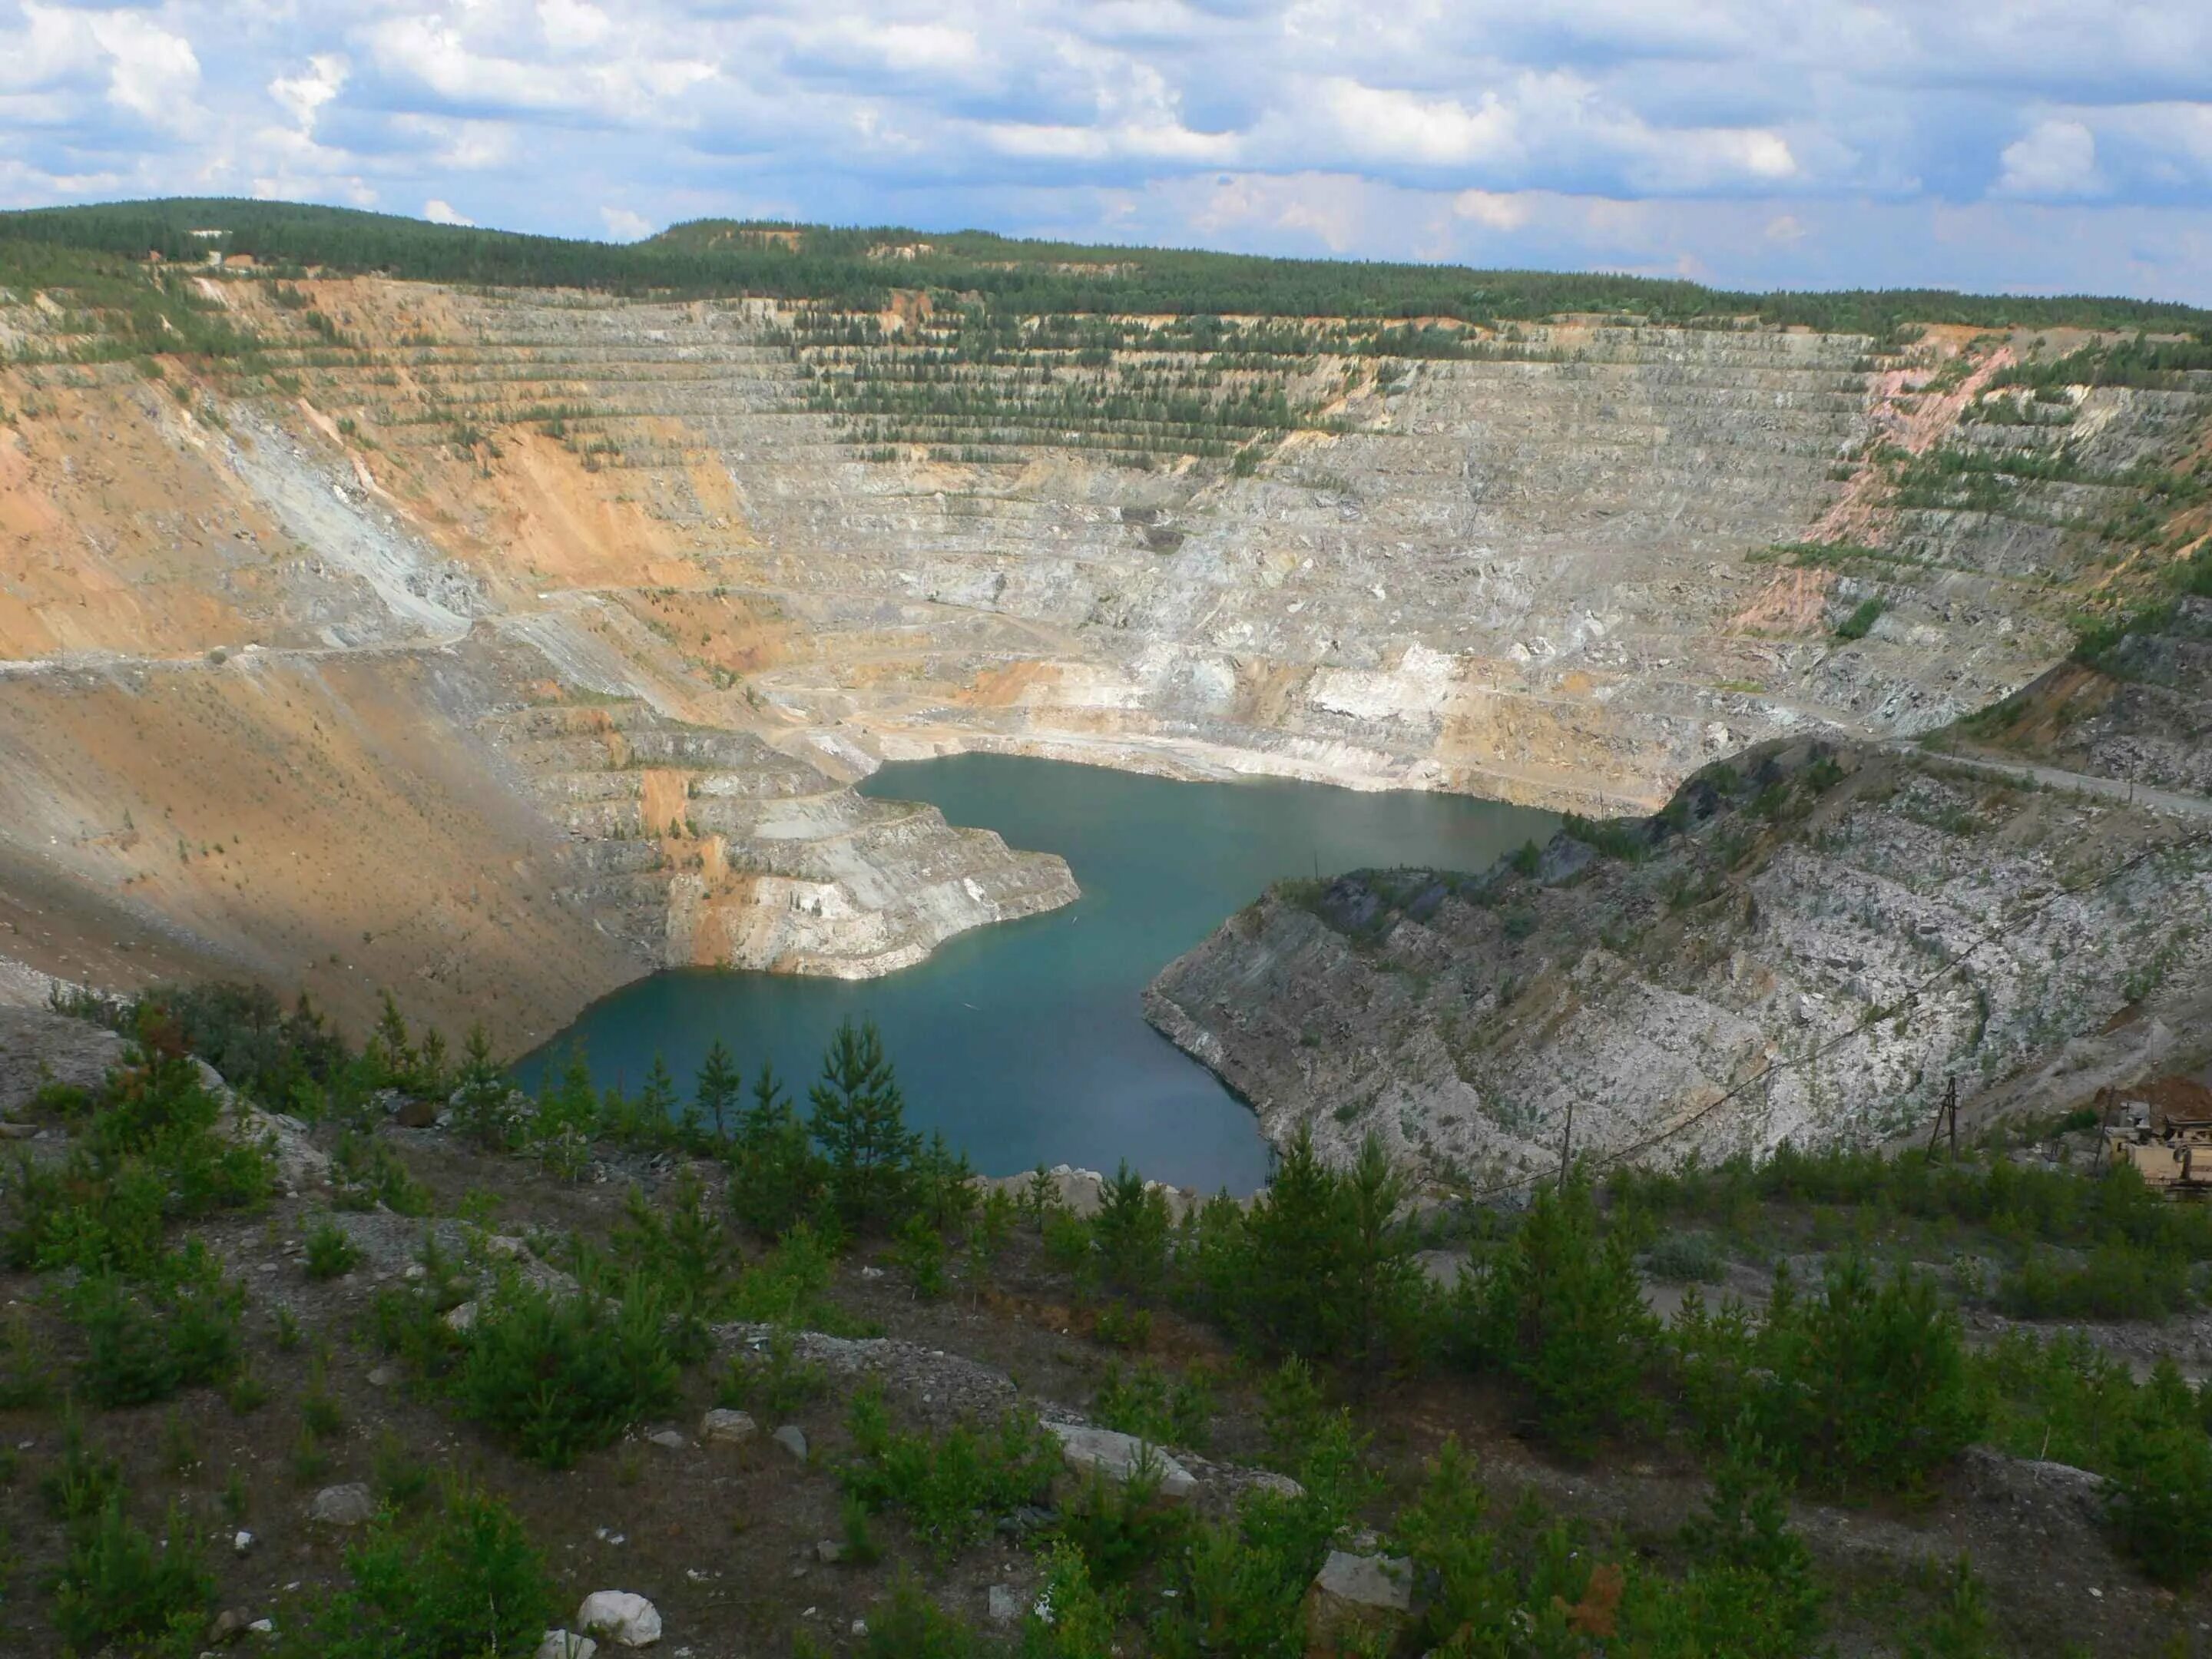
{"x": 2026, "y": 144}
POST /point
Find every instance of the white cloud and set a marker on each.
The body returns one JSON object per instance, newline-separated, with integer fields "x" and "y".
{"x": 1404, "y": 126}
{"x": 2055, "y": 159}
{"x": 303, "y": 95}
{"x": 153, "y": 73}
{"x": 572, "y": 24}
{"x": 1492, "y": 209}
{"x": 624, "y": 225}
{"x": 440, "y": 212}
{"x": 1580, "y": 131}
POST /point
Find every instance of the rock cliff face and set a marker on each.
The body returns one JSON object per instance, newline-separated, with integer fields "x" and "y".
{"x": 1808, "y": 945}
{"x": 526, "y": 640}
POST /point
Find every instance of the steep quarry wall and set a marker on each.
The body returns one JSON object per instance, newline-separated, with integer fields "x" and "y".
{"x": 616, "y": 598}
{"x": 1814, "y": 948}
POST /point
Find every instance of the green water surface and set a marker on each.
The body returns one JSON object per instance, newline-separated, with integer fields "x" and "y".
{"x": 1024, "y": 1041}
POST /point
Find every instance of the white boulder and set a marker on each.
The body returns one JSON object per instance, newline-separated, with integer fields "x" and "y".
{"x": 1119, "y": 1456}
{"x": 623, "y": 1617}
{"x": 349, "y": 1505}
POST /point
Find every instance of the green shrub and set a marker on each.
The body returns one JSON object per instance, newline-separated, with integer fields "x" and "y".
{"x": 775, "y": 1178}
{"x": 1123, "y": 1527}
{"x": 330, "y": 1252}
{"x": 778, "y": 1384}
{"x": 245, "y": 1033}
{"x": 1685, "y": 1258}
{"x": 1319, "y": 1266}
{"x": 909, "y": 1626}
{"x": 319, "y": 1407}
{"x": 118, "y": 1584}
{"x": 2161, "y": 1466}
{"x": 365, "y": 1172}
{"x": 1560, "y": 1310}
{"x": 1866, "y": 1384}
{"x": 463, "y": 1583}
{"x": 1959, "y": 1627}
{"x": 1861, "y": 621}
{"x": 1071, "y": 1619}
{"x": 1157, "y": 1405}
{"x": 82, "y": 1484}
{"x": 2120, "y": 1280}
{"x": 684, "y": 1251}
{"x": 2062, "y": 1398}
{"x": 27, "y": 1365}
{"x": 559, "y": 1376}
{"x": 145, "y": 1342}
{"x": 1750, "y": 1590}
{"x": 1130, "y": 1232}
{"x": 1244, "y": 1580}
{"x": 787, "y": 1286}
{"x": 952, "y": 1491}
{"x": 149, "y": 1153}
{"x": 919, "y": 1255}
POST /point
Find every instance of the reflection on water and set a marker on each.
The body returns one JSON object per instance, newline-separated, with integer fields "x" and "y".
{"x": 1024, "y": 1042}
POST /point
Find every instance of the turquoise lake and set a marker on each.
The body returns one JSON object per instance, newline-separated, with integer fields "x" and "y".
{"x": 1024, "y": 1041}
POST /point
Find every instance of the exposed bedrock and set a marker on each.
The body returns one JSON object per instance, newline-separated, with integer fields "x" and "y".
{"x": 553, "y": 628}
{"x": 1805, "y": 948}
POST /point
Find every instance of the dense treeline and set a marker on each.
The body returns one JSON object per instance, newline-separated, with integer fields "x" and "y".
{"x": 715, "y": 258}
{"x": 1860, "y": 1382}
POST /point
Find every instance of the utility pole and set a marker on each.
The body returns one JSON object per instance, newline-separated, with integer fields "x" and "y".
{"x": 1947, "y": 1113}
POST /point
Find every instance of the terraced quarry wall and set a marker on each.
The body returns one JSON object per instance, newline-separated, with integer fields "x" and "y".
{"x": 613, "y": 598}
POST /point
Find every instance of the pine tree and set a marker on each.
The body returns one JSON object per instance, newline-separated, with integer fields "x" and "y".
{"x": 775, "y": 1176}
{"x": 860, "y": 1121}
{"x": 653, "y": 1111}
{"x": 1563, "y": 1311}
{"x": 480, "y": 1109}
{"x": 1380, "y": 1281}
{"x": 720, "y": 1086}
{"x": 1296, "y": 1250}
{"x": 392, "y": 1058}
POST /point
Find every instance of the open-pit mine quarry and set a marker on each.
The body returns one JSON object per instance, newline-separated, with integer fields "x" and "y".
{"x": 496, "y": 646}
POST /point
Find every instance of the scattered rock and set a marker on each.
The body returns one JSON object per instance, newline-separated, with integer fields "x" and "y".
{"x": 724, "y": 1427}
{"x": 505, "y": 1247}
{"x": 349, "y": 1505}
{"x": 383, "y": 1377}
{"x": 671, "y": 1438}
{"x": 262, "y": 1627}
{"x": 828, "y": 1552}
{"x": 623, "y": 1617}
{"x": 793, "y": 1439}
{"x": 1354, "y": 1599}
{"x": 565, "y": 1645}
{"x": 1004, "y": 1605}
{"x": 242, "y": 1542}
{"x": 463, "y": 1318}
{"x": 227, "y": 1626}
{"x": 1117, "y": 1456}
{"x": 414, "y": 1115}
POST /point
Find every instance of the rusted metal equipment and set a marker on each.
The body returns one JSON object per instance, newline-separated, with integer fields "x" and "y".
{"x": 2163, "y": 1129}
